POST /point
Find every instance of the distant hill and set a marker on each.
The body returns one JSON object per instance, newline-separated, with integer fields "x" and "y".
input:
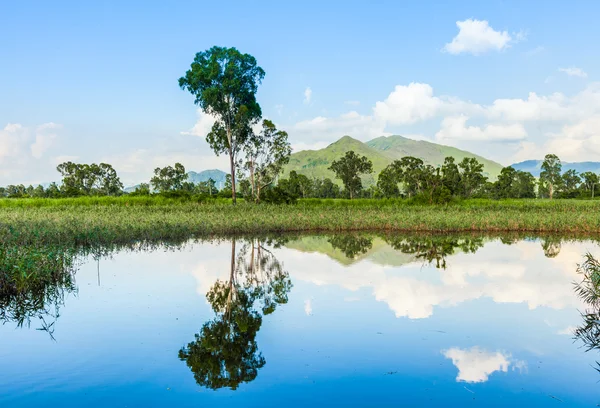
{"x": 315, "y": 163}
{"x": 535, "y": 166}
{"x": 217, "y": 175}
{"x": 381, "y": 151}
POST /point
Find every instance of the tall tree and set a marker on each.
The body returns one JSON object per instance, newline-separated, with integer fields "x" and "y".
{"x": 570, "y": 181}
{"x": 266, "y": 154}
{"x": 349, "y": 169}
{"x": 590, "y": 181}
{"x": 550, "y": 174}
{"x": 224, "y": 83}
{"x": 451, "y": 175}
{"x": 472, "y": 177}
{"x": 409, "y": 170}
{"x": 387, "y": 182}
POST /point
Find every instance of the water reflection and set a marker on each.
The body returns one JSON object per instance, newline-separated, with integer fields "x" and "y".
{"x": 225, "y": 352}
{"x": 402, "y": 289}
{"x": 588, "y": 332}
{"x": 33, "y": 284}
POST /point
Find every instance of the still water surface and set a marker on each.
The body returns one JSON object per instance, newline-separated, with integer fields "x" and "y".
{"x": 322, "y": 321}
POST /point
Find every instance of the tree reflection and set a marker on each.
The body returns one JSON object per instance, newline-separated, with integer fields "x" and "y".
{"x": 225, "y": 352}
{"x": 351, "y": 245}
{"x": 33, "y": 284}
{"x": 434, "y": 248}
{"x": 589, "y": 291}
{"x": 551, "y": 246}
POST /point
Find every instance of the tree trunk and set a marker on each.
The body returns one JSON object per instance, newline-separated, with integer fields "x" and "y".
{"x": 593, "y": 191}
{"x": 252, "y": 179}
{"x": 550, "y": 190}
{"x": 232, "y": 165}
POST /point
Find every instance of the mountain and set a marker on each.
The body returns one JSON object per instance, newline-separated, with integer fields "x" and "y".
{"x": 217, "y": 175}
{"x": 535, "y": 166}
{"x": 315, "y": 163}
{"x": 396, "y": 147}
{"x": 381, "y": 151}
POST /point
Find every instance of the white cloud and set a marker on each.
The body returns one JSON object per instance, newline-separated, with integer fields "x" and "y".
{"x": 477, "y": 37}
{"x": 579, "y": 141}
{"x": 44, "y": 139}
{"x": 308, "y": 307}
{"x": 307, "y": 95}
{"x": 574, "y": 71}
{"x": 320, "y": 128}
{"x": 455, "y": 128}
{"x": 352, "y": 103}
{"x": 21, "y": 152}
{"x": 498, "y": 272}
{"x": 408, "y": 104}
{"x": 279, "y": 109}
{"x": 203, "y": 125}
{"x": 476, "y": 365}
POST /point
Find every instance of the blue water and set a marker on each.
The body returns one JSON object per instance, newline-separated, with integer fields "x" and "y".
{"x": 383, "y": 328}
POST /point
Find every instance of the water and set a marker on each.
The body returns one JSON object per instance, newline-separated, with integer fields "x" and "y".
{"x": 342, "y": 321}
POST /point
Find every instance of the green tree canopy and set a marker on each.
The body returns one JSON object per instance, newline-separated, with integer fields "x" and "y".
{"x": 169, "y": 178}
{"x": 550, "y": 175}
{"x": 224, "y": 83}
{"x": 266, "y": 153}
{"x": 349, "y": 169}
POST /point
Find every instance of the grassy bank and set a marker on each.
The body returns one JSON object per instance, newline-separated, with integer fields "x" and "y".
{"x": 129, "y": 219}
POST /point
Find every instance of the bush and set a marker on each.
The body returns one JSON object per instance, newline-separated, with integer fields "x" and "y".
{"x": 277, "y": 195}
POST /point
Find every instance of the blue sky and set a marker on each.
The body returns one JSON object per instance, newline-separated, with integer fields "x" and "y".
{"x": 92, "y": 81}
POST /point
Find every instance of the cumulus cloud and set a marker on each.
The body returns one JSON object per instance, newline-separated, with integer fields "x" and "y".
{"x": 455, "y": 128}
{"x": 44, "y": 138}
{"x": 203, "y": 125}
{"x": 574, "y": 71}
{"x": 477, "y": 37}
{"x": 307, "y": 95}
{"x": 579, "y": 141}
{"x": 22, "y": 149}
{"x": 476, "y": 365}
{"x": 498, "y": 272}
{"x": 320, "y": 128}
{"x": 408, "y": 104}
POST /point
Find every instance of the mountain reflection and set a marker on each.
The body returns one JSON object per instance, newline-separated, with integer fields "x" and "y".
{"x": 588, "y": 332}
{"x": 225, "y": 352}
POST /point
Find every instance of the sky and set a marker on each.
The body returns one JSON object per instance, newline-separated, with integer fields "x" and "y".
{"x": 97, "y": 81}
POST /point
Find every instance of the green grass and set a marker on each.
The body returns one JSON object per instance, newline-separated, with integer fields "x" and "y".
{"x": 102, "y": 221}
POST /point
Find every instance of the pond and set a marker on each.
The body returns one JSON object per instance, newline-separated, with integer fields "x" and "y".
{"x": 346, "y": 320}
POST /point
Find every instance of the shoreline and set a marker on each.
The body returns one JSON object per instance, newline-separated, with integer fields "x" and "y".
{"x": 106, "y": 224}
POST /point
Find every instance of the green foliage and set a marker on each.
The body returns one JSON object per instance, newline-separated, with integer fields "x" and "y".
{"x": 471, "y": 176}
{"x": 224, "y": 83}
{"x": 550, "y": 177}
{"x": 169, "y": 178}
{"x": 277, "y": 195}
{"x": 381, "y": 152}
{"x": 265, "y": 155}
{"x": 349, "y": 168}
{"x": 225, "y": 352}
{"x": 89, "y": 179}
